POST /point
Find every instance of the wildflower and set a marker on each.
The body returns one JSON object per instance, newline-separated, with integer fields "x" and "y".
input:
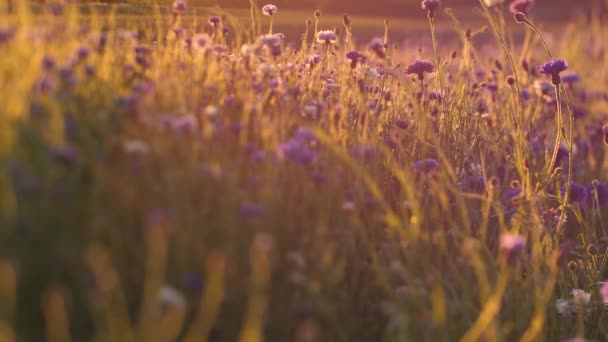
{"x": 251, "y": 210}
{"x": 136, "y": 147}
{"x": 571, "y": 78}
{"x": 377, "y": 45}
{"x": 598, "y": 192}
{"x": 512, "y": 245}
{"x": 491, "y": 3}
{"x": 55, "y": 9}
{"x": 553, "y": 68}
{"x": 580, "y": 297}
{"x": 354, "y": 57}
{"x": 269, "y": 10}
{"x": 179, "y": 5}
{"x": 298, "y": 148}
{"x": 402, "y": 123}
{"x": 171, "y": 296}
{"x": 200, "y": 41}
{"x": 312, "y": 61}
{"x": 66, "y": 155}
{"x": 363, "y": 152}
{"x": 563, "y": 307}
{"x": 510, "y": 197}
{"x": 271, "y": 39}
{"x": 431, "y": 6}
{"x": 214, "y": 21}
{"x": 521, "y": 6}
{"x": 578, "y": 194}
{"x": 82, "y": 53}
{"x": 327, "y": 37}
{"x": 426, "y": 166}
{"x": 349, "y": 207}
{"x": 420, "y": 67}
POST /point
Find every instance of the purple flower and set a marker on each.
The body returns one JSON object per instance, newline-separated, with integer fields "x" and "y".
{"x": 214, "y": 21}
{"x": 509, "y": 197}
{"x": 269, "y": 10}
{"x": 66, "y": 155}
{"x": 420, "y": 67}
{"x": 523, "y": 6}
{"x": 298, "y": 149}
{"x": 48, "y": 63}
{"x": 354, "y": 57}
{"x": 512, "y": 245}
{"x": 251, "y": 210}
{"x": 200, "y": 42}
{"x": 6, "y": 34}
{"x": 426, "y": 165}
{"x": 578, "y": 194}
{"x": 83, "y": 53}
{"x": 599, "y": 191}
{"x": 179, "y": 5}
{"x": 571, "y": 78}
{"x": 377, "y": 45}
{"x": 553, "y": 68}
{"x": 363, "y": 152}
{"x": 430, "y": 6}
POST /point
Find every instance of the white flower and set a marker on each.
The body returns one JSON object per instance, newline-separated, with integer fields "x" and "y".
{"x": 580, "y": 297}
{"x": 170, "y": 295}
{"x": 136, "y": 147}
{"x": 563, "y": 307}
{"x": 271, "y": 39}
{"x": 491, "y": 3}
{"x": 269, "y": 10}
{"x": 326, "y": 37}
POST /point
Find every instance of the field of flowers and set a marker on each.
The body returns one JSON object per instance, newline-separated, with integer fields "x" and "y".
{"x": 208, "y": 178}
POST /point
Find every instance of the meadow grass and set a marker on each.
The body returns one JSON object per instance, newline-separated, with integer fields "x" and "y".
{"x": 169, "y": 176}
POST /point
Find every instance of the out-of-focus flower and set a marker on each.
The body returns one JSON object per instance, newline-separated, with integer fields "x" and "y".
{"x": 426, "y": 166}
{"x": 571, "y": 78}
{"x": 65, "y": 155}
{"x": 179, "y": 5}
{"x": 578, "y": 194}
{"x": 354, "y": 57}
{"x": 419, "y": 68}
{"x": 430, "y": 6}
{"x": 171, "y": 296}
{"x": 200, "y": 42}
{"x": 326, "y": 37}
{"x": 599, "y": 192}
{"x": 554, "y": 68}
{"x": 269, "y": 10}
{"x": 563, "y": 307}
{"x": 512, "y": 245}
{"x": 580, "y": 297}
{"x": 377, "y": 45}
{"x": 605, "y": 133}
{"x": 251, "y": 210}
{"x": 136, "y": 147}
{"x": 271, "y": 39}
{"x": 214, "y": 20}
{"x": 521, "y": 6}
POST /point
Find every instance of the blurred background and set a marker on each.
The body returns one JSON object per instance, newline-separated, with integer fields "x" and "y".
{"x": 551, "y": 8}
